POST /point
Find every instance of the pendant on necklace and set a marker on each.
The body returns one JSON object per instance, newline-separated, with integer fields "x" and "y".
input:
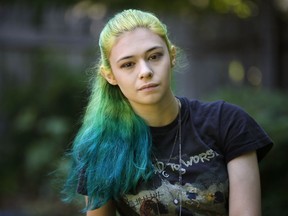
{"x": 176, "y": 201}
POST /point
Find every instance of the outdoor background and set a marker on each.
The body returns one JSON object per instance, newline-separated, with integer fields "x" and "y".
{"x": 236, "y": 50}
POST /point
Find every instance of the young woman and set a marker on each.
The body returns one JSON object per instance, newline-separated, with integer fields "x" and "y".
{"x": 143, "y": 151}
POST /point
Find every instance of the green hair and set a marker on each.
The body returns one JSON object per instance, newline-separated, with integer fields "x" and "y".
{"x": 111, "y": 152}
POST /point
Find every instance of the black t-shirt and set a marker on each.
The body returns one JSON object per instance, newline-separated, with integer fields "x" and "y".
{"x": 212, "y": 134}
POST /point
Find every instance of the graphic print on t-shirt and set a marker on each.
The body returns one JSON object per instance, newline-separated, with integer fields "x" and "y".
{"x": 206, "y": 192}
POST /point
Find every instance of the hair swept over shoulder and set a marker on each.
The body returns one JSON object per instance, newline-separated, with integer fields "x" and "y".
{"x": 112, "y": 149}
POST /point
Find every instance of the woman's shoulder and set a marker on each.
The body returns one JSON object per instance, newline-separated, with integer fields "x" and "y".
{"x": 200, "y": 107}
{"x": 212, "y": 107}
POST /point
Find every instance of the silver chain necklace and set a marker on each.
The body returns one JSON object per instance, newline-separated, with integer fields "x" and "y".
{"x": 180, "y": 157}
{"x": 162, "y": 170}
{"x": 178, "y": 137}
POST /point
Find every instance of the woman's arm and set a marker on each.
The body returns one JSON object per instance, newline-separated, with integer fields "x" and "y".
{"x": 107, "y": 210}
{"x": 244, "y": 183}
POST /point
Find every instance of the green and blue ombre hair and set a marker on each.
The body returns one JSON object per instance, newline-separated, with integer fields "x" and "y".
{"x": 111, "y": 152}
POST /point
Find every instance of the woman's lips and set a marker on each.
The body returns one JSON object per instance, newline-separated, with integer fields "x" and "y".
{"x": 148, "y": 86}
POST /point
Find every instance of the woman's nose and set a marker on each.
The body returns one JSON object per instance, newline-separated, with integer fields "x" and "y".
{"x": 145, "y": 70}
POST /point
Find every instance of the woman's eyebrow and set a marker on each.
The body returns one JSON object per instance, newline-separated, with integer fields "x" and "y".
{"x": 147, "y": 51}
{"x": 154, "y": 48}
{"x": 123, "y": 58}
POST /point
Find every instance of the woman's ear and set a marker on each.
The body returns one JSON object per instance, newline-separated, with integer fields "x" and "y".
{"x": 173, "y": 55}
{"x": 108, "y": 75}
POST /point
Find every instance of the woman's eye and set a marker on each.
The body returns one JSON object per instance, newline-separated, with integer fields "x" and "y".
{"x": 127, "y": 65}
{"x": 155, "y": 56}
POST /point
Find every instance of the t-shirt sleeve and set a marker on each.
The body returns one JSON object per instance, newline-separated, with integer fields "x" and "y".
{"x": 241, "y": 134}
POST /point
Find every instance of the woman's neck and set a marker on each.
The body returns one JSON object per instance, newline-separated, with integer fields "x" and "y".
{"x": 159, "y": 114}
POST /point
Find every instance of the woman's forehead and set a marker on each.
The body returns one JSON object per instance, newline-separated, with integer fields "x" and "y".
{"x": 135, "y": 42}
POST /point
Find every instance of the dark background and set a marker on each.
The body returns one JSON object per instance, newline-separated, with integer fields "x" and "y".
{"x": 236, "y": 50}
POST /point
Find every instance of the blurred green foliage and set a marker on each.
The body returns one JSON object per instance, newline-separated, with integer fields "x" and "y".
{"x": 240, "y": 8}
{"x": 269, "y": 108}
{"x": 41, "y": 119}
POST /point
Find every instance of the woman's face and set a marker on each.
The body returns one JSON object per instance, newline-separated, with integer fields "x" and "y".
{"x": 141, "y": 67}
